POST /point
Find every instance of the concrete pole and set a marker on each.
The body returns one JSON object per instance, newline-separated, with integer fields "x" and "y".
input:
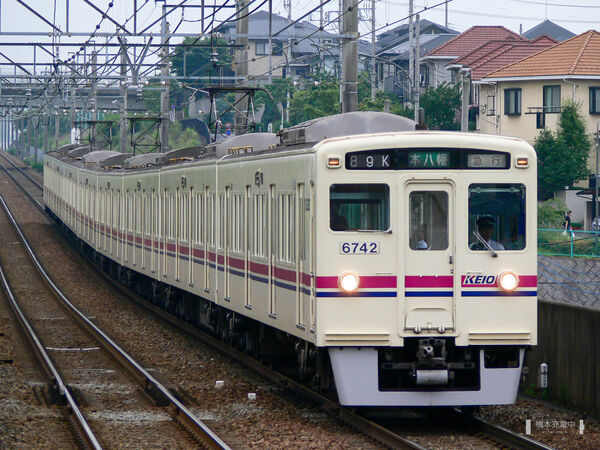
{"x": 417, "y": 83}
{"x": 288, "y": 61}
{"x": 241, "y": 68}
{"x": 29, "y": 131}
{"x": 56, "y": 129}
{"x": 321, "y": 41}
{"x": 597, "y": 172}
{"x": 45, "y": 124}
{"x": 271, "y": 41}
{"x": 93, "y": 99}
{"x": 373, "y": 64}
{"x": 164, "y": 95}
{"x": 411, "y": 52}
{"x": 123, "y": 119}
{"x": 350, "y": 57}
{"x": 464, "y": 114}
{"x": 94, "y": 92}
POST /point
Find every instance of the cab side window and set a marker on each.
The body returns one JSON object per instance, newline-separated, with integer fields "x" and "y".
{"x": 354, "y": 207}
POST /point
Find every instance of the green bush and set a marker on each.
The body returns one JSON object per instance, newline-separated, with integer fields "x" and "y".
{"x": 551, "y": 214}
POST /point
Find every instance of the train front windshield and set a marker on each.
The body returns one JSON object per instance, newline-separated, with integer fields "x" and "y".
{"x": 497, "y": 214}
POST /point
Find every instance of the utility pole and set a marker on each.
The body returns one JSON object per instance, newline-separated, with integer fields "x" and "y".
{"x": 241, "y": 69}
{"x": 94, "y": 99}
{"x": 123, "y": 118}
{"x": 164, "y": 94}
{"x": 270, "y": 41}
{"x": 373, "y": 64}
{"x": 321, "y": 41}
{"x": 94, "y": 91}
{"x": 464, "y": 114}
{"x": 446, "y": 21}
{"x": 411, "y": 54}
{"x": 29, "y": 130}
{"x": 417, "y": 83}
{"x": 56, "y": 129}
{"x": 45, "y": 123}
{"x": 288, "y": 71}
{"x": 350, "y": 57}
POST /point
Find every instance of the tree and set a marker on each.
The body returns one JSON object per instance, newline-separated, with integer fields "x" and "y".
{"x": 562, "y": 155}
{"x": 396, "y": 106}
{"x": 315, "y": 101}
{"x": 205, "y": 57}
{"x": 440, "y": 106}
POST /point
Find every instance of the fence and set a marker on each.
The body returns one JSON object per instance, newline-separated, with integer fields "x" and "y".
{"x": 569, "y": 342}
{"x": 574, "y": 243}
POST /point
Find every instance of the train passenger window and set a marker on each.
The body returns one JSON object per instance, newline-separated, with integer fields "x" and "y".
{"x": 355, "y": 207}
{"x": 497, "y": 213}
{"x": 428, "y": 220}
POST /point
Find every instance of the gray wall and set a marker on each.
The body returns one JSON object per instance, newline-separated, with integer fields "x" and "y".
{"x": 569, "y": 342}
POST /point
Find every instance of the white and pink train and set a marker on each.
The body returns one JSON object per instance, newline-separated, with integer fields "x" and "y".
{"x": 395, "y": 266}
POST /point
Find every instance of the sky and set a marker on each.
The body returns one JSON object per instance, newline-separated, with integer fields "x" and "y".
{"x": 577, "y": 16}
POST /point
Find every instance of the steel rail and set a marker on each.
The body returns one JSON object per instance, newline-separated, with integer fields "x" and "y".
{"x": 344, "y": 414}
{"x": 195, "y": 426}
{"x": 506, "y": 436}
{"x": 50, "y": 369}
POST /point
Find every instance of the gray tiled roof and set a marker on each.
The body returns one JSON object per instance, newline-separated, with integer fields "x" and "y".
{"x": 427, "y": 42}
{"x": 258, "y": 24}
{"x": 549, "y": 28}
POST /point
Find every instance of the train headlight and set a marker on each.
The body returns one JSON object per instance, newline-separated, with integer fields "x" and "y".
{"x": 349, "y": 281}
{"x": 508, "y": 281}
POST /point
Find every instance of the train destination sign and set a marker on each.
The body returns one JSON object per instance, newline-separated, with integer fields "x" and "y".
{"x": 427, "y": 158}
{"x": 430, "y": 160}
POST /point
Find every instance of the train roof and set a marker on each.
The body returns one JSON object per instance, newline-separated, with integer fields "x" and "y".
{"x": 352, "y": 123}
{"x": 299, "y": 137}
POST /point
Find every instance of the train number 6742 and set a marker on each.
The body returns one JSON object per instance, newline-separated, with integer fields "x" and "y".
{"x": 359, "y": 248}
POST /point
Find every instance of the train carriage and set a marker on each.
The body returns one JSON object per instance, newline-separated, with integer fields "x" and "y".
{"x": 400, "y": 264}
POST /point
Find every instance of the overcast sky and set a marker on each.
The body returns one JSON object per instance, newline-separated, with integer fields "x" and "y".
{"x": 577, "y": 16}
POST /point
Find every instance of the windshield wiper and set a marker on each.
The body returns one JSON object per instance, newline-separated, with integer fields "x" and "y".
{"x": 485, "y": 244}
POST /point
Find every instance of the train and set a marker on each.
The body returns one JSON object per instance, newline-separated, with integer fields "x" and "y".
{"x": 385, "y": 265}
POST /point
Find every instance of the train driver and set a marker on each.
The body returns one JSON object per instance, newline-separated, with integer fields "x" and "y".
{"x": 485, "y": 226}
{"x": 337, "y": 222}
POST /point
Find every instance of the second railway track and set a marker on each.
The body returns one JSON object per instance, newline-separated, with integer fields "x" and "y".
{"x": 89, "y": 369}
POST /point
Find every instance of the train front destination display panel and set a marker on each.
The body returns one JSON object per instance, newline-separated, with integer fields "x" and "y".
{"x": 427, "y": 159}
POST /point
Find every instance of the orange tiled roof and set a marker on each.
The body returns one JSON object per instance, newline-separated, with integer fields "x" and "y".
{"x": 507, "y": 56}
{"x": 579, "y": 55}
{"x": 481, "y": 51}
{"x": 471, "y": 39}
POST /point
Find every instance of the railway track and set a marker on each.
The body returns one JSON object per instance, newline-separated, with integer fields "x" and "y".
{"x": 84, "y": 379}
{"x": 488, "y": 432}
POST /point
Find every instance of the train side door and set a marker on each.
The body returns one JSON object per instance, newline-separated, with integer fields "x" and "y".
{"x": 429, "y": 242}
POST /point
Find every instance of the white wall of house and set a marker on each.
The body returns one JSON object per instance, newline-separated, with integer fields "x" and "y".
{"x": 494, "y": 120}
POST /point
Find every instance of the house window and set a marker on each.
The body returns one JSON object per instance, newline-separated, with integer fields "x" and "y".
{"x": 552, "y": 99}
{"x": 595, "y": 100}
{"x": 262, "y": 48}
{"x": 540, "y": 120}
{"x": 512, "y": 101}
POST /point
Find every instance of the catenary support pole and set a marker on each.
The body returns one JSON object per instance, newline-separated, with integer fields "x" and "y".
{"x": 350, "y": 56}
{"x": 123, "y": 115}
{"x": 164, "y": 95}
{"x": 241, "y": 69}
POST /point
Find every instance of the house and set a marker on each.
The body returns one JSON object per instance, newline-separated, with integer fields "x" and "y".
{"x": 394, "y": 74}
{"x": 526, "y": 96}
{"x": 438, "y": 61}
{"x": 492, "y": 56}
{"x": 549, "y": 28}
{"x": 308, "y": 48}
{"x": 393, "y": 54}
